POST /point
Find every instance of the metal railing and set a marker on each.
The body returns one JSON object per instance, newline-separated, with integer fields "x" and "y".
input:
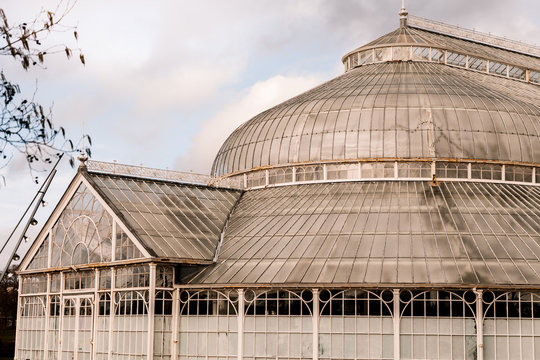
{"x": 147, "y": 173}
{"x": 477, "y": 36}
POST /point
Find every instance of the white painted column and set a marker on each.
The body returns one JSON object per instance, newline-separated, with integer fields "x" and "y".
{"x": 315, "y": 325}
{"x": 61, "y": 317}
{"x": 111, "y": 313}
{"x": 479, "y": 326}
{"x": 47, "y": 318}
{"x": 151, "y": 310}
{"x": 17, "y": 332}
{"x": 95, "y": 314}
{"x": 175, "y": 324}
{"x": 397, "y": 327}
{"x": 240, "y": 318}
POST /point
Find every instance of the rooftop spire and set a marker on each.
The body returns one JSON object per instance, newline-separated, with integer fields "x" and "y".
{"x": 403, "y": 15}
{"x": 82, "y": 158}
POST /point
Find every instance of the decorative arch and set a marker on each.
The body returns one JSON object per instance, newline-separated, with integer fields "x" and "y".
{"x": 83, "y": 232}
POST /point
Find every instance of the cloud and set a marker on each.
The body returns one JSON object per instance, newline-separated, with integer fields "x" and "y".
{"x": 215, "y": 130}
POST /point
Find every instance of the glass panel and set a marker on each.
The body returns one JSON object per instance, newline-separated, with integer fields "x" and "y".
{"x": 534, "y": 76}
{"x": 356, "y": 324}
{"x": 280, "y": 176}
{"x": 31, "y": 327}
{"x": 280, "y": 322}
{"x": 518, "y": 173}
{"x": 477, "y": 64}
{"x": 497, "y": 68}
{"x": 132, "y": 276}
{"x": 508, "y": 315}
{"x": 342, "y": 171}
{"x": 437, "y": 55}
{"x": 209, "y": 325}
{"x": 414, "y": 170}
{"x": 438, "y": 324}
{"x": 366, "y": 57}
{"x": 55, "y": 282}
{"x": 420, "y": 53}
{"x": 40, "y": 260}
{"x": 516, "y": 73}
{"x": 163, "y": 325}
{"x": 309, "y": 173}
{"x": 104, "y": 279}
{"x": 353, "y": 60}
{"x": 164, "y": 277}
{"x": 125, "y": 249}
{"x": 456, "y": 59}
{"x": 34, "y": 284}
{"x": 384, "y": 54}
{"x": 79, "y": 280}
{"x": 257, "y": 178}
{"x": 82, "y": 234}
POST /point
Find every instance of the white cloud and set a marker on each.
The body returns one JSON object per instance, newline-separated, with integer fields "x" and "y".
{"x": 258, "y": 98}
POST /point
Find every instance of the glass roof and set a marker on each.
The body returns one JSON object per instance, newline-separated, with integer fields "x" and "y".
{"x": 393, "y": 110}
{"x": 171, "y": 220}
{"x": 382, "y": 233}
{"x": 410, "y": 35}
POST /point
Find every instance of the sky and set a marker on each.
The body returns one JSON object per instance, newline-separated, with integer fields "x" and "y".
{"x": 165, "y": 82}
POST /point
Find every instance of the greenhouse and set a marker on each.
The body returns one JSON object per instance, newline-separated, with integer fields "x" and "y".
{"x": 390, "y": 213}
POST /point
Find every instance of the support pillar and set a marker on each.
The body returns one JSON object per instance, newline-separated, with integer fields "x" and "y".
{"x": 151, "y": 310}
{"x": 47, "y": 318}
{"x": 479, "y": 325}
{"x": 175, "y": 323}
{"x": 111, "y": 311}
{"x": 315, "y": 317}
{"x": 240, "y": 318}
{"x": 18, "y": 329}
{"x": 61, "y": 317}
{"x": 95, "y": 314}
{"x": 397, "y": 326}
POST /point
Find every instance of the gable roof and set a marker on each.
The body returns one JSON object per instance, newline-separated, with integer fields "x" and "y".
{"x": 170, "y": 219}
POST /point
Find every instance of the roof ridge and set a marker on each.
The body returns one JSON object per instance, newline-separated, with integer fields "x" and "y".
{"x": 473, "y": 35}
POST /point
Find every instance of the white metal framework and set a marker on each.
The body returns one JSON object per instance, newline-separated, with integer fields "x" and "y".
{"x": 270, "y": 323}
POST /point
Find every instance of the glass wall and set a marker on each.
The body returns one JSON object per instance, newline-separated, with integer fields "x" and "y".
{"x": 208, "y": 324}
{"x": 127, "y": 317}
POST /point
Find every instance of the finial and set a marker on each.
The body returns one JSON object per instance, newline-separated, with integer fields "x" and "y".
{"x": 403, "y": 15}
{"x": 82, "y": 158}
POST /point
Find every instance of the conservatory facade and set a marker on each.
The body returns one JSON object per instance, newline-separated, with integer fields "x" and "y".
{"x": 390, "y": 213}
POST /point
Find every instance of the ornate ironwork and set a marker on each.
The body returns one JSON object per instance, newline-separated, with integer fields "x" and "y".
{"x": 145, "y": 172}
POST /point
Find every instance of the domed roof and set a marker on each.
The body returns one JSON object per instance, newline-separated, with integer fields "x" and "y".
{"x": 409, "y": 108}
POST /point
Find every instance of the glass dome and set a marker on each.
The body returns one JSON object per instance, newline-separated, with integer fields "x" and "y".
{"x": 411, "y": 94}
